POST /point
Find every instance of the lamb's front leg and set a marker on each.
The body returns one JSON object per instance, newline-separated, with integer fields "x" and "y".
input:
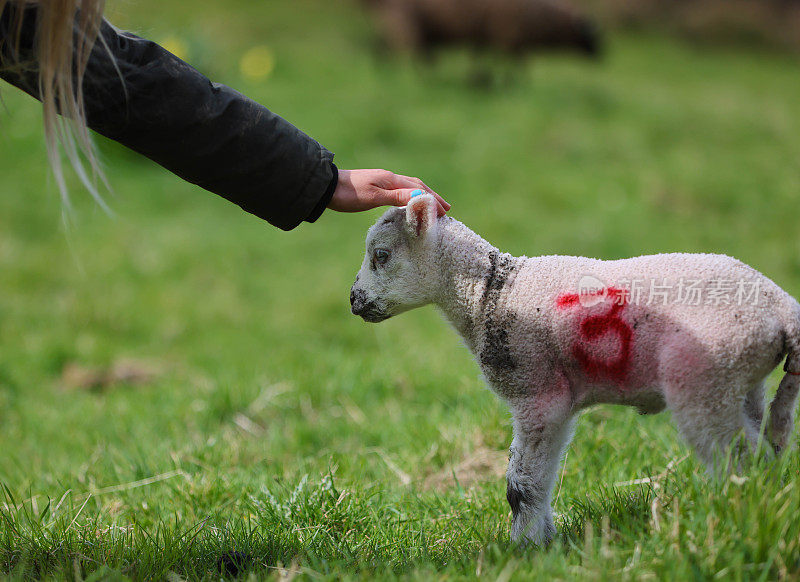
{"x": 542, "y": 429}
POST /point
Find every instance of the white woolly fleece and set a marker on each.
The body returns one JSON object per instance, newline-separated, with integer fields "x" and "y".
{"x": 696, "y": 333}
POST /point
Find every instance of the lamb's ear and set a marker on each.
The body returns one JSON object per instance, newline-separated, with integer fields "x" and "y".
{"x": 421, "y": 214}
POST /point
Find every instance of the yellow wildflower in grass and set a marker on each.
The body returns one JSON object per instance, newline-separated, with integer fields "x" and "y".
{"x": 257, "y": 63}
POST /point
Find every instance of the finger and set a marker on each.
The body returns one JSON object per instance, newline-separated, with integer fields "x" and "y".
{"x": 443, "y": 204}
{"x": 401, "y": 181}
{"x": 419, "y": 183}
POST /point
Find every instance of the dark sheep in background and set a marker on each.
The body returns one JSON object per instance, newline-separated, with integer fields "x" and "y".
{"x": 514, "y": 27}
{"x": 773, "y": 23}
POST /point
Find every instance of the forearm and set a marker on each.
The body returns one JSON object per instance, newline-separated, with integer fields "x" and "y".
{"x": 152, "y": 102}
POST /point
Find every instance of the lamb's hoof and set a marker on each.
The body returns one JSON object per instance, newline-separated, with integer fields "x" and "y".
{"x": 539, "y": 533}
{"x": 233, "y": 563}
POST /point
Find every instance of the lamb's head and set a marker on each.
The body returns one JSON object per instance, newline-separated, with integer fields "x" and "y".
{"x": 398, "y": 272}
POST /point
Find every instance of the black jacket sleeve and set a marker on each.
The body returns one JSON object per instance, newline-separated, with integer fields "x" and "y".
{"x": 142, "y": 96}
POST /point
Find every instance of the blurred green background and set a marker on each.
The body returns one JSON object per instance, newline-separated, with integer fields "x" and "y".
{"x": 241, "y": 370}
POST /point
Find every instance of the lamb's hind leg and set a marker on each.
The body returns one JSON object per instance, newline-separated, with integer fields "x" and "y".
{"x": 781, "y": 411}
{"x": 542, "y": 429}
{"x": 712, "y": 418}
{"x": 754, "y": 407}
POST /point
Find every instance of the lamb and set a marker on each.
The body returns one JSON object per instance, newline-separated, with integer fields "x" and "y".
{"x": 695, "y": 333}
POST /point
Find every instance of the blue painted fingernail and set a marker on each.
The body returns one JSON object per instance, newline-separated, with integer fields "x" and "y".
{"x": 417, "y": 193}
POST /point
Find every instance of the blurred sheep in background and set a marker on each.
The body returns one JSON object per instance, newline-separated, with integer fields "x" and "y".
{"x": 772, "y": 23}
{"x": 513, "y": 27}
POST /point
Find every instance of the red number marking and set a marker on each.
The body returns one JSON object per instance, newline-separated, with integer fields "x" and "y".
{"x": 595, "y": 327}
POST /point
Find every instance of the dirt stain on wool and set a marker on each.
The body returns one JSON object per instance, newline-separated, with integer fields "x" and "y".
{"x": 495, "y": 353}
{"x": 514, "y": 497}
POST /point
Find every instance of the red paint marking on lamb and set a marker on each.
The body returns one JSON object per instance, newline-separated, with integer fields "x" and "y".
{"x": 568, "y": 300}
{"x": 595, "y": 327}
{"x": 573, "y": 299}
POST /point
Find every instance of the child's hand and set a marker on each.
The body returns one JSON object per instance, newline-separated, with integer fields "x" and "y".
{"x": 359, "y": 190}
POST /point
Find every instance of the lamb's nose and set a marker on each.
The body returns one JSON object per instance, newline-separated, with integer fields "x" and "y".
{"x": 358, "y": 299}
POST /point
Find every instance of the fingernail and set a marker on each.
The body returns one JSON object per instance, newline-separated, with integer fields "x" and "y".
{"x": 417, "y": 193}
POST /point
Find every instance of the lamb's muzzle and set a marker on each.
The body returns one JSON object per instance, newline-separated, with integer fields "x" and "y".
{"x": 363, "y": 307}
{"x": 694, "y": 333}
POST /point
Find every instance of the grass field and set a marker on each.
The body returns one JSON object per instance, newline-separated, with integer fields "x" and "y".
{"x": 268, "y": 426}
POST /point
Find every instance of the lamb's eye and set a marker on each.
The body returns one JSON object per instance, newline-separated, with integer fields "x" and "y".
{"x": 380, "y": 256}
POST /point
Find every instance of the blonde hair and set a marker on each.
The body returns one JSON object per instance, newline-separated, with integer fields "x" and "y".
{"x": 66, "y": 32}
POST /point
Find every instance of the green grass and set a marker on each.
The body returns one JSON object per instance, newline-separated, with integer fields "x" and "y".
{"x": 278, "y": 425}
